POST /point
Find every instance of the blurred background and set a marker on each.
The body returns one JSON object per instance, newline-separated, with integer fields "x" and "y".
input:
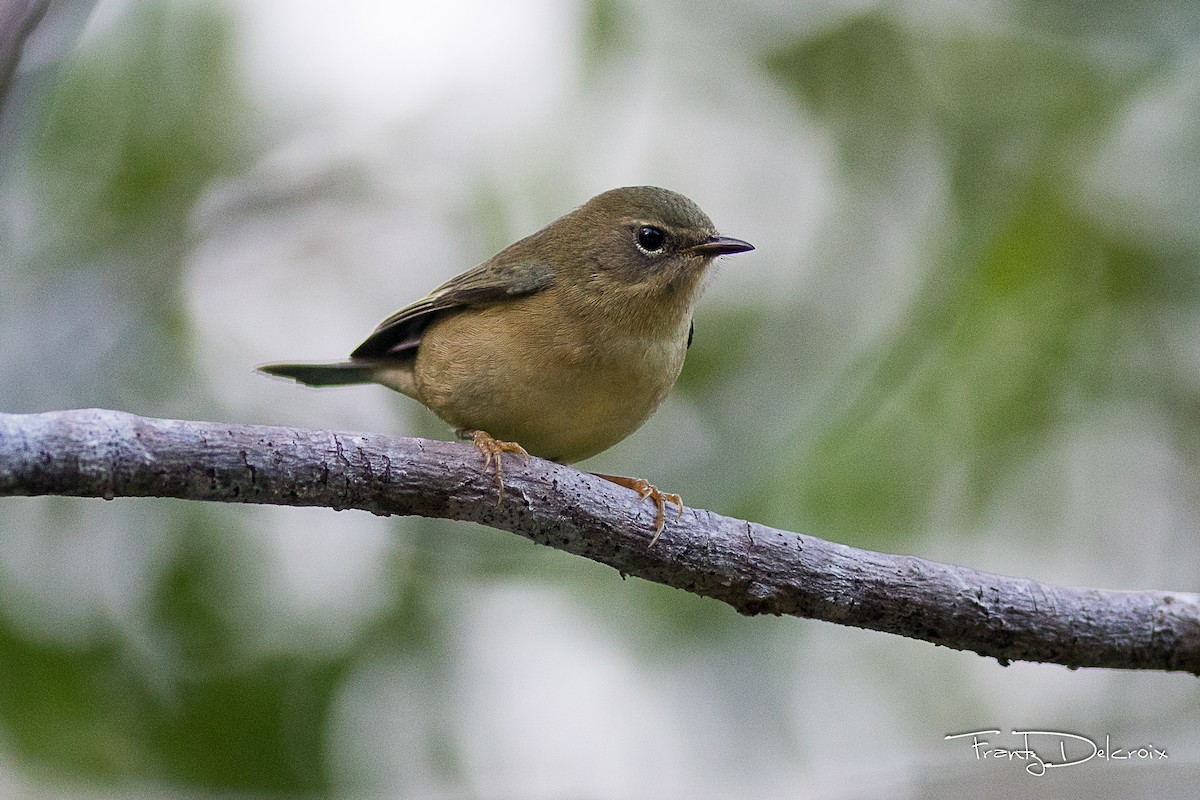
{"x": 970, "y": 331}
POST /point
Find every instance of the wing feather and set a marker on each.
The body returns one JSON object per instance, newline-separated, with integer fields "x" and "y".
{"x": 486, "y": 284}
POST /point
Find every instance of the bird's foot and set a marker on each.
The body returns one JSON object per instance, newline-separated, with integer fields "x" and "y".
{"x": 493, "y": 449}
{"x": 649, "y": 491}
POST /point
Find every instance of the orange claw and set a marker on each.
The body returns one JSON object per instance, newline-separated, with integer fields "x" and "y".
{"x": 493, "y": 448}
{"x": 648, "y": 490}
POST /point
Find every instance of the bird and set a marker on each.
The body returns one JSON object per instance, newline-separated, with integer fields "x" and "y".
{"x": 560, "y": 345}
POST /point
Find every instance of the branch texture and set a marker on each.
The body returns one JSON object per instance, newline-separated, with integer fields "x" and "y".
{"x": 754, "y": 568}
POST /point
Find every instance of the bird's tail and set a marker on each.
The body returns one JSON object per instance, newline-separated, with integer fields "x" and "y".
{"x": 343, "y": 373}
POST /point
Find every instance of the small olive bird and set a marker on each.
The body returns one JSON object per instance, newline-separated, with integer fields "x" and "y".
{"x": 560, "y": 345}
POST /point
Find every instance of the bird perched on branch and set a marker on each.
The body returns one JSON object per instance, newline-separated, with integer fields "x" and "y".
{"x": 560, "y": 345}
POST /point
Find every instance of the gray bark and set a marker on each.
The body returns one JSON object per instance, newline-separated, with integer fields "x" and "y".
{"x": 753, "y": 568}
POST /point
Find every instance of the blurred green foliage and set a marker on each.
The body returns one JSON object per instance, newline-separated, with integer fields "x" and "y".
{"x": 135, "y": 129}
{"x": 118, "y": 152}
{"x": 194, "y": 709}
{"x": 1025, "y": 318}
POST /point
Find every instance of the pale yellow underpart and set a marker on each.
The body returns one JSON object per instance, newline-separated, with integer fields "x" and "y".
{"x": 563, "y": 392}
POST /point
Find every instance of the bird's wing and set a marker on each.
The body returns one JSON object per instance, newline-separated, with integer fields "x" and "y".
{"x": 486, "y": 284}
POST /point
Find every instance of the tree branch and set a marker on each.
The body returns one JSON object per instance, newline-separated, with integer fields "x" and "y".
{"x": 755, "y": 569}
{"x": 18, "y": 18}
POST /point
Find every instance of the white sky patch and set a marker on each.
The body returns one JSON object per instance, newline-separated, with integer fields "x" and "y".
{"x": 387, "y": 60}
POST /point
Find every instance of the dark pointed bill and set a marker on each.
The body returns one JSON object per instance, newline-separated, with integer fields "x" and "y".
{"x": 720, "y": 246}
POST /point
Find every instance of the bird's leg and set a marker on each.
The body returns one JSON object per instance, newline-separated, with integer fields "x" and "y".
{"x": 493, "y": 448}
{"x": 648, "y": 490}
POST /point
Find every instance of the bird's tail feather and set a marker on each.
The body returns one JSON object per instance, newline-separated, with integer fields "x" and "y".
{"x": 343, "y": 373}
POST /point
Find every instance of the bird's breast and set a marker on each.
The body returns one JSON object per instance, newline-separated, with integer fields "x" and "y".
{"x": 563, "y": 388}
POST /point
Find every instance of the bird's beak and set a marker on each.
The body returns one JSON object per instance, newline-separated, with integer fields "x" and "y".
{"x": 720, "y": 246}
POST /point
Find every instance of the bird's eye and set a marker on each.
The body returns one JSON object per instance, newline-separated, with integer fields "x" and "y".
{"x": 651, "y": 239}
